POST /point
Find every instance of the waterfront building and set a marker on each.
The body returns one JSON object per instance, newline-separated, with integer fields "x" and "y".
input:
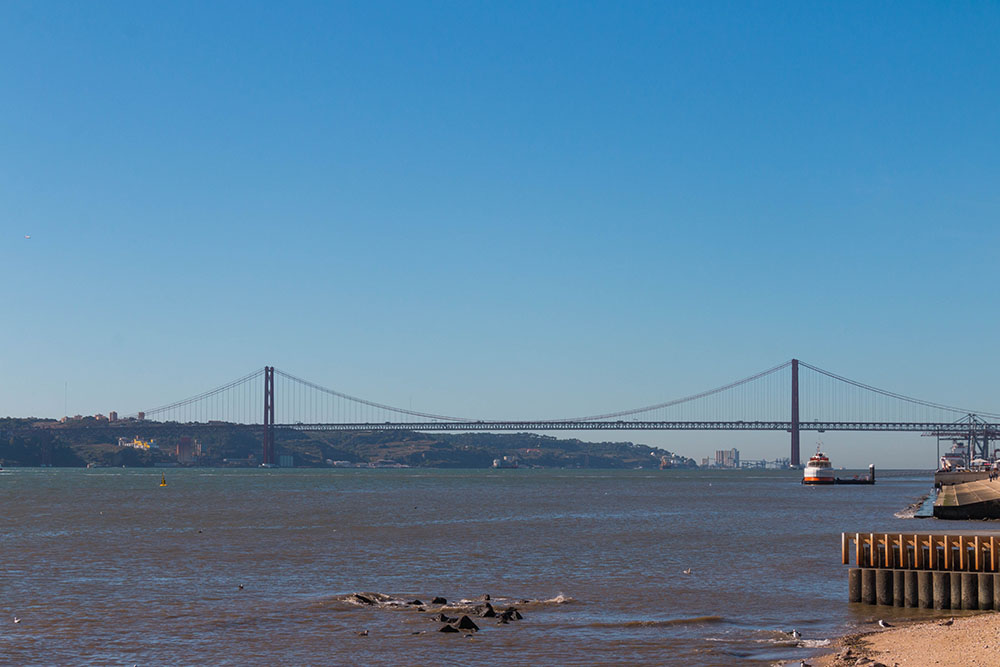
{"x": 185, "y": 450}
{"x": 727, "y": 458}
{"x": 136, "y": 443}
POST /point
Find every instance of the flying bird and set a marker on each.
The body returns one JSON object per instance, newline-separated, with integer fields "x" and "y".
{"x": 27, "y": 236}
{"x": 687, "y": 571}
{"x": 17, "y": 620}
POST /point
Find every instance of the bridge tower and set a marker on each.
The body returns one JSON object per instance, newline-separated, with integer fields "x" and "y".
{"x": 267, "y": 456}
{"x": 795, "y": 460}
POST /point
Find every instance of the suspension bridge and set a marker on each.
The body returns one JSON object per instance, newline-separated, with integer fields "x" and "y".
{"x": 792, "y": 397}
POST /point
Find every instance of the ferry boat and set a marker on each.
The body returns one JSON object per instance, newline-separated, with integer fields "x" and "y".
{"x": 818, "y": 470}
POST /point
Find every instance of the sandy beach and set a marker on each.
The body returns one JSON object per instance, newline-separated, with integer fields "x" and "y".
{"x": 972, "y": 640}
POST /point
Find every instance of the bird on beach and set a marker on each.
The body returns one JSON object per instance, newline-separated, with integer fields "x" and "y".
{"x": 796, "y": 634}
{"x": 948, "y": 622}
{"x": 687, "y": 571}
{"x": 883, "y": 624}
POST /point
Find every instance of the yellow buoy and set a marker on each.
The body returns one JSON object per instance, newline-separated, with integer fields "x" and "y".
{"x": 163, "y": 479}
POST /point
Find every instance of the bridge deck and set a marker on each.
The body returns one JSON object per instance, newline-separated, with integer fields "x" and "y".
{"x": 548, "y": 425}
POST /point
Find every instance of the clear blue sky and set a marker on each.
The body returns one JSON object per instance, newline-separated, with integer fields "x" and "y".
{"x": 505, "y": 210}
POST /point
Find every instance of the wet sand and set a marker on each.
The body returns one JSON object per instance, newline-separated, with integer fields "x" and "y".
{"x": 972, "y": 640}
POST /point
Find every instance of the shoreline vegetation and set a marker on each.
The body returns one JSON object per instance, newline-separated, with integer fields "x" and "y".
{"x": 967, "y": 641}
{"x": 29, "y": 442}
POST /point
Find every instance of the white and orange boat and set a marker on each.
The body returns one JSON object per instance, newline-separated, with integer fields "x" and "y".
{"x": 818, "y": 470}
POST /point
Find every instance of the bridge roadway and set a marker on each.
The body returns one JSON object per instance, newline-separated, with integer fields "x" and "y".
{"x": 948, "y": 429}
{"x": 943, "y": 429}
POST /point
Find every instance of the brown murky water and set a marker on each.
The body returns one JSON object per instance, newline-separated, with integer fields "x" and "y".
{"x": 104, "y": 567}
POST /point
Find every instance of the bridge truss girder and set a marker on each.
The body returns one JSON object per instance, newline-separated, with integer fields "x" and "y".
{"x": 943, "y": 428}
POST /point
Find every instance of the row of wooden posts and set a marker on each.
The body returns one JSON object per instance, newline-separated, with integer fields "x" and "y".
{"x": 927, "y": 570}
{"x": 923, "y": 551}
{"x": 927, "y": 589}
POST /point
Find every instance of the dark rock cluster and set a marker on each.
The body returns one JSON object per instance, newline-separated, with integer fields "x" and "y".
{"x": 481, "y": 607}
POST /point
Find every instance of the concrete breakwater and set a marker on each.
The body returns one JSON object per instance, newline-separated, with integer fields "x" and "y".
{"x": 968, "y": 500}
{"x": 926, "y": 570}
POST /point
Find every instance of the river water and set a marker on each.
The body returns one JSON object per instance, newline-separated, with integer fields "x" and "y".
{"x": 104, "y": 567}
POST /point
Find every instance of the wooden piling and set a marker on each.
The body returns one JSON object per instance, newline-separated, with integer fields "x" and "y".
{"x": 899, "y": 587}
{"x": 970, "y": 591}
{"x": 985, "y": 590}
{"x": 956, "y": 589}
{"x": 925, "y": 589}
{"x": 942, "y": 590}
{"x": 911, "y": 590}
{"x": 883, "y": 586}
{"x": 854, "y": 585}
{"x": 868, "y": 586}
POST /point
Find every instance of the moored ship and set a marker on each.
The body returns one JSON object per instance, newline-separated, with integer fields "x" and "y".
{"x": 956, "y": 459}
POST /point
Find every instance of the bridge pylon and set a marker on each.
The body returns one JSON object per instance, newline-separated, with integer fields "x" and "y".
{"x": 267, "y": 455}
{"x": 795, "y": 461}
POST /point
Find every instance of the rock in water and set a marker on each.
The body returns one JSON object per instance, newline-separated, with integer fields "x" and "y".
{"x": 439, "y": 600}
{"x": 415, "y": 603}
{"x": 443, "y": 619}
{"x": 509, "y": 614}
{"x": 486, "y": 610}
{"x": 466, "y": 623}
{"x": 448, "y": 628}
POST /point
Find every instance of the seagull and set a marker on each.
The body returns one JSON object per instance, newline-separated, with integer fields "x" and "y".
{"x": 17, "y": 620}
{"x": 883, "y": 624}
{"x": 241, "y": 587}
{"x": 687, "y": 571}
{"x": 27, "y": 236}
{"x": 363, "y": 633}
{"x": 948, "y": 622}
{"x": 796, "y": 634}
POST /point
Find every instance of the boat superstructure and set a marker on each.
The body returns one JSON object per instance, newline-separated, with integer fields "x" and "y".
{"x": 818, "y": 470}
